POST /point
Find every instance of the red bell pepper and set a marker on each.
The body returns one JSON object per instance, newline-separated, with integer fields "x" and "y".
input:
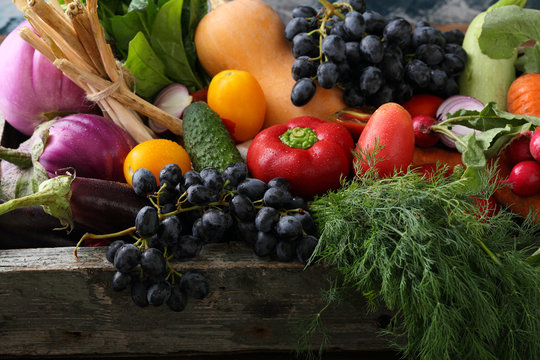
{"x": 311, "y": 153}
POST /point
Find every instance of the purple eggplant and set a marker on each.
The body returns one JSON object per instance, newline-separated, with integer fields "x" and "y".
{"x": 98, "y": 206}
{"x": 89, "y": 145}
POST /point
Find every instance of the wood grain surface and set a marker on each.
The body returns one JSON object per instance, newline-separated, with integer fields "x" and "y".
{"x": 56, "y": 305}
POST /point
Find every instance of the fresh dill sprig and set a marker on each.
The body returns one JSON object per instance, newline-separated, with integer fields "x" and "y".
{"x": 455, "y": 277}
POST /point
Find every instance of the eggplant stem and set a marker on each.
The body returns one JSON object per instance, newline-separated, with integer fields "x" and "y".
{"x": 22, "y": 159}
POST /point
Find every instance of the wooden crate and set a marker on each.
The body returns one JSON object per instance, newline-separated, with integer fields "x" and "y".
{"x": 56, "y": 305}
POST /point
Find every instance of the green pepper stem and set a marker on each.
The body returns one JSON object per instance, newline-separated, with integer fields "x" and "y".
{"x": 22, "y": 159}
{"x": 299, "y": 138}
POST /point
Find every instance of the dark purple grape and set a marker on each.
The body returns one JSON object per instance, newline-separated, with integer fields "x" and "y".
{"x": 169, "y": 230}
{"x": 215, "y": 222}
{"x": 121, "y": 281}
{"x": 431, "y": 54}
{"x": 303, "y": 45}
{"x": 418, "y": 73}
{"x": 303, "y": 92}
{"x": 333, "y": 47}
{"x": 285, "y": 251}
{"x": 357, "y": 5}
{"x": 452, "y": 87}
{"x": 242, "y": 207}
{"x": 252, "y": 188}
{"x": 192, "y": 177}
{"x": 266, "y": 219}
{"x": 402, "y": 92}
{"x": 338, "y": 29}
{"x": 200, "y": 195}
{"x": 372, "y": 49}
{"x": 288, "y": 228}
{"x": 452, "y": 64}
{"x": 159, "y": 293}
{"x": 352, "y": 97}
{"x": 144, "y": 182}
{"x": 371, "y": 80}
{"x": 305, "y": 248}
{"x": 212, "y": 179}
{"x": 195, "y": 285}
{"x": 153, "y": 262}
{"x": 139, "y": 292}
{"x": 147, "y": 221}
{"x": 354, "y": 25}
{"x": 246, "y": 232}
{"x": 177, "y": 301}
{"x": 277, "y": 197}
{"x": 398, "y": 31}
{"x": 420, "y": 23}
{"x": 437, "y": 81}
{"x": 296, "y": 26}
{"x": 392, "y": 68}
{"x": 297, "y": 202}
{"x": 127, "y": 258}
{"x": 303, "y": 67}
{"x": 457, "y": 50}
{"x": 265, "y": 244}
{"x": 170, "y": 174}
{"x": 112, "y": 248}
{"x": 375, "y": 22}
{"x": 352, "y": 52}
{"x": 235, "y": 173}
{"x": 384, "y": 95}
{"x": 307, "y": 222}
{"x": 188, "y": 247}
{"x": 198, "y": 231}
{"x": 327, "y": 75}
{"x": 303, "y": 11}
{"x": 427, "y": 35}
{"x": 168, "y": 195}
{"x": 454, "y": 36}
{"x": 280, "y": 182}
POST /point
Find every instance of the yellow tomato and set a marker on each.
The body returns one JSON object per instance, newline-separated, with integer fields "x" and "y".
{"x": 239, "y": 100}
{"x": 153, "y": 155}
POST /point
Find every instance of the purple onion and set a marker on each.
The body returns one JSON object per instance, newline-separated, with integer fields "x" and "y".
{"x": 32, "y": 89}
{"x": 450, "y": 106}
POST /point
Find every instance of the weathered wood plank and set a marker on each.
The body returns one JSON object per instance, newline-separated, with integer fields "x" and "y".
{"x": 54, "y": 304}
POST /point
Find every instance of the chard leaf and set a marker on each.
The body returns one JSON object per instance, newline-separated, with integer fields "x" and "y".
{"x": 125, "y": 27}
{"x": 529, "y": 62}
{"x": 146, "y": 67}
{"x": 167, "y": 41}
{"x": 506, "y": 28}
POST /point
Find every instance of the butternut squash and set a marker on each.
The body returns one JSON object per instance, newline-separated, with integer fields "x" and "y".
{"x": 249, "y": 35}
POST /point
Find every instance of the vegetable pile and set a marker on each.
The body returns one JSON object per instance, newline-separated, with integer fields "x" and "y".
{"x": 405, "y": 157}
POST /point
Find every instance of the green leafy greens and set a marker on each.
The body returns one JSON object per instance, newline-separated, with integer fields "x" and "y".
{"x": 155, "y": 39}
{"x": 455, "y": 278}
{"x": 496, "y": 128}
{"x": 508, "y": 27}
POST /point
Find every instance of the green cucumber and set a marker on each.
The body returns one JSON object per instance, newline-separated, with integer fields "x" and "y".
{"x": 206, "y": 138}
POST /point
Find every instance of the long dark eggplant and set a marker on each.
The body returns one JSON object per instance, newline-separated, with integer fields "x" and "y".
{"x": 98, "y": 206}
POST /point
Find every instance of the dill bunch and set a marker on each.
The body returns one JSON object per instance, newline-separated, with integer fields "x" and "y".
{"x": 455, "y": 278}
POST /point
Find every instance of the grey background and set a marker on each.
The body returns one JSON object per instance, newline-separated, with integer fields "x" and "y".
{"x": 433, "y": 11}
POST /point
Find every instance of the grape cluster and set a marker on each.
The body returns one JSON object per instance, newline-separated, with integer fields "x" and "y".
{"x": 372, "y": 58}
{"x": 192, "y": 209}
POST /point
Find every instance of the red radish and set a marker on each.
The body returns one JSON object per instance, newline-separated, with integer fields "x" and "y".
{"x": 534, "y": 145}
{"x": 518, "y": 149}
{"x": 524, "y": 178}
{"x": 423, "y": 135}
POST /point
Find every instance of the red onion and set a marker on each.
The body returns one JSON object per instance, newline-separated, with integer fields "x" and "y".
{"x": 173, "y": 99}
{"x": 33, "y": 90}
{"x": 450, "y": 106}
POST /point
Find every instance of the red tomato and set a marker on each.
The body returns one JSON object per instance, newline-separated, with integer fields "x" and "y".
{"x": 390, "y": 128}
{"x": 423, "y": 104}
{"x": 200, "y": 95}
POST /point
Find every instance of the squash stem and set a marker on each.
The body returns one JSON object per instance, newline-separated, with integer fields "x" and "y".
{"x": 215, "y": 3}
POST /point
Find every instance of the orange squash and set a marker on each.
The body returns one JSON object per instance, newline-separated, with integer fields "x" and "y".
{"x": 523, "y": 97}
{"x": 249, "y": 35}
